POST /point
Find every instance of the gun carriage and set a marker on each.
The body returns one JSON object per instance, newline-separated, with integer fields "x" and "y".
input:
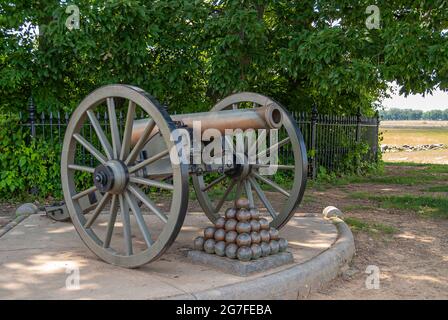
{"x": 143, "y": 187}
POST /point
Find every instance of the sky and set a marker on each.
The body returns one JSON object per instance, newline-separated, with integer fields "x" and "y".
{"x": 438, "y": 100}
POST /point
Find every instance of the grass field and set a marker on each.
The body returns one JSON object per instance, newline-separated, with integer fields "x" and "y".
{"x": 415, "y": 133}
{"x": 412, "y": 136}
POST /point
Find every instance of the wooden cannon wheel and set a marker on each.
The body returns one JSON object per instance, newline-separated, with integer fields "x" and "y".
{"x": 251, "y": 182}
{"x": 125, "y": 239}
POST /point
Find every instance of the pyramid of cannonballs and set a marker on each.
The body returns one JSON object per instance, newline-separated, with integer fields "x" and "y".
{"x": 242, "y": 234}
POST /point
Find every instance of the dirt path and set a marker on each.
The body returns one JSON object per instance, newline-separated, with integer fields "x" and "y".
{"x": 413, "y": 261}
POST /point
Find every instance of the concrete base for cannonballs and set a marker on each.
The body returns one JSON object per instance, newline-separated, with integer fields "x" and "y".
{"x": 240, "y": 268}
{"x": 41, "y": 258}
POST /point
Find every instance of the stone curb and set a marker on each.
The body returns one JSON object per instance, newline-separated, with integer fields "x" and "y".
{"x": 296, "y": 282}
{"x": 12, "y": 224}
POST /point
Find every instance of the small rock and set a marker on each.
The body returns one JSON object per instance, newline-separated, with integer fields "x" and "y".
{"x": 349, "y": 273}
{"x": 27, "y": 209}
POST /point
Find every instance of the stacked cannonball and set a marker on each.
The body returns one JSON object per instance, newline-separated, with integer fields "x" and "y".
{"x": 241, "y": 234}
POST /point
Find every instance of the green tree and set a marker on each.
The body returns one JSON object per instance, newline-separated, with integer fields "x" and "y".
{"x": 190, "y": 53}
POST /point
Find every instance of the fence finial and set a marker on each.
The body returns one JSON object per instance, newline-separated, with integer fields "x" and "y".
{"x": 314, "y": 112}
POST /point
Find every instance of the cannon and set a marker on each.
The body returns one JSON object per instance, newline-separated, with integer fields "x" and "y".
{"x": 129, "y": 206}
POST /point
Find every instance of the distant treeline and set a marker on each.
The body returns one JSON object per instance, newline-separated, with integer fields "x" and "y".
{"x": 411, "y": 114}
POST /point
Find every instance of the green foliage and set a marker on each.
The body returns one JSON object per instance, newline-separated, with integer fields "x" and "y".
{"x": 25, "y": 165}
{"x": 190, "y": 53}
{"x": 411, "y": 114}
{"x": 437, "y": 189}
{"x": 369, "y": 227}
{"x": 355, "y": 166}
{"x": 436, "y": 207}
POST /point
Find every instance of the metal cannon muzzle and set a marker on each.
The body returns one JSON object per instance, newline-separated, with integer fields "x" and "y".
{"x": 267, "y": 117}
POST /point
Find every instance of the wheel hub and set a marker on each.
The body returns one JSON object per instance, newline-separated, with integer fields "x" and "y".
{"x": 111, "y": 177}
{"x": 240, "y": 170}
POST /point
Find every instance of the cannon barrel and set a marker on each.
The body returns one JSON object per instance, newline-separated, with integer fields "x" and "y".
{"x": 267, "y": 117}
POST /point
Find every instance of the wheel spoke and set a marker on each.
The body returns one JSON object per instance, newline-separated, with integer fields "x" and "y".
{"x": 276, "y": 146}
{"x": 148, "y": 161}
{"x": 81, "y": 168}
{"x": 126, "y": 225}
{"x": 151, "y": 183}
{"x": 262, "y": 197}
{"x": 151, "y": 205}
{"x": 111, "y": 224}
{"x": 274, "y": 166}
{"x": 226, "y": 194}
{"x": 94, "y": 151}
{"x": 214, "y": 182}
{"x": 100, "y": 133}
{"x": 239, "y": 189}
{"x": 272, "y": 184}
{"x": 97, "y": 210}
{"x": 249, "y": 194}
{"x": 116, "y": 142}
{"x": 126, "y": 145}
{"x": 84, "y": 193}
{"x": 141, "y": 142}
{"x": 139, "y": 217}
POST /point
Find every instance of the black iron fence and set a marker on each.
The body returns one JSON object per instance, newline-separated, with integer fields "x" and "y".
{"x": 329, "y": 138}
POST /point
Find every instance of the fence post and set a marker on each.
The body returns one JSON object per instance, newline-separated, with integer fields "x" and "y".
{"x": 358, "y": 126}
{"x": 32, "y": 122}
{"x": 32, "y": 117}
{"x": 314, "y": 118}
{"x": 377, "y": 138}
{"x": 358, "y": 139}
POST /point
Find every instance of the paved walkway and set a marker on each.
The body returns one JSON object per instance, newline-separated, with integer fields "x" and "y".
{"x": 37, "y": 255}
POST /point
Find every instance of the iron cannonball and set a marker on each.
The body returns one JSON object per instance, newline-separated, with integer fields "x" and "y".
{"x": 243, "y": 215}
{"x": 209, "y": 246}
{"x": 243, "y": 240}
{"x": 243, "y": 227}
{"x": 273, "y": 233}
{"x": 198, "y": 244}
{"x": 275, "y": 248}
{"x": 255, "y": 225}
{"x": 209, "y": 233}
{"x": 254, "y": 214}
{"x": 256, "y": 251}
{"x": 265, "y": 249}
{"x": 283, "y": 244}
{"x": 231, "y": 250}
{"x": 255, "y": 236}
{"x": 231, "y": 237}
{"x": 220, "y": 235}
{"x": 265, "y": 237}
{"x": 230, "y": 213}
{"x": 219, "y": 224}
{"x": 242, "y": 203}
{"x": 244, "y": 254}
{"x": 264, "y": 224}
{"x": 230, "y": 225}
{"x": 220, "y": 248}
